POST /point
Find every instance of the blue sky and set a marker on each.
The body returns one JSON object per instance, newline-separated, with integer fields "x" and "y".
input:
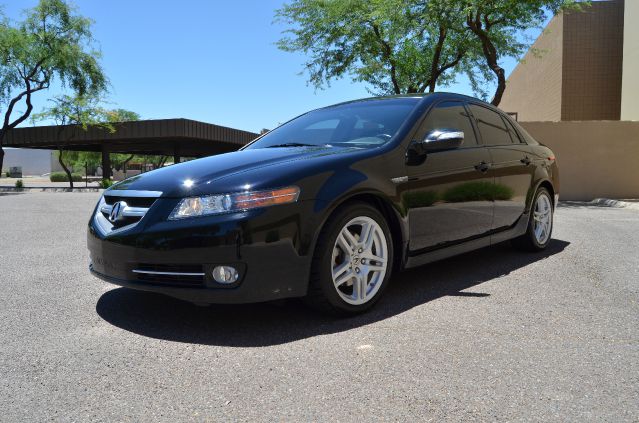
{"x": 209, "y": 60}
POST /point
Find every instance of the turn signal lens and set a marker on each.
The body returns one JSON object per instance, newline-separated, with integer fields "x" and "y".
{"x": 229, "y": 203}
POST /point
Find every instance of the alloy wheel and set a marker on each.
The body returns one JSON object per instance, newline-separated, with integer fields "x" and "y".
{"x": 542, "y": 216}
{"x": 359, "y": 260}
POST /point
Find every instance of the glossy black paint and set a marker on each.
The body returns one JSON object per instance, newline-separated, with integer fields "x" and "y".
{"x": 442, "y": 204}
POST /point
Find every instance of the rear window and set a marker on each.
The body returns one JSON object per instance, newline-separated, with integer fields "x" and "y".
{"x": 491, "y": 126}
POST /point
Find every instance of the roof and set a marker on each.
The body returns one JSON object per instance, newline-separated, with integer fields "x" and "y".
{"x": 162, "y": 137}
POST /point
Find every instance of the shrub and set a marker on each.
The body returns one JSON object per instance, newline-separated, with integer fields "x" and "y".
{"x": 7, "y": 174}
{"x": 106, "y": 183}
{"x": 62, "y": 177}
{"x": 19, "y": 184}
{"x": 478, "y": 191}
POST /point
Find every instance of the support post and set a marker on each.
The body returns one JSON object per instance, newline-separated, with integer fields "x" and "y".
{"x": 176, "y": 155}
{"x": 106, "y": 164}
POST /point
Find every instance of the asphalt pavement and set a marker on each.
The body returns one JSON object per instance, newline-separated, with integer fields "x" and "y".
{"x": 493, "y": 335}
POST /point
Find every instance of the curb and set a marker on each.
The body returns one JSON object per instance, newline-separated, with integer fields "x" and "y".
{"x": 620, "y": 204}
{"x": 50, "y": 189}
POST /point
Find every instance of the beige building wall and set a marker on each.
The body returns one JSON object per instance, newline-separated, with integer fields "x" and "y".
{"x": 578, "y": 76}
{"x": 630, "y": 84}
{"x": 534, "y": 87}
{"x": 593, "y": 62}
{"x": 595, "y": 159}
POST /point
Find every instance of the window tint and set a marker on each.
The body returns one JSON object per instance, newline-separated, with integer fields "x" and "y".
{"x": 513, "y": 133}
{"x": 491, "y": 126}
{"x": 324, "y": 124}
{"x": 449, "y": 115}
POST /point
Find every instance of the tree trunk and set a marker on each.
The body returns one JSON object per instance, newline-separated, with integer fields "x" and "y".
{"x": 491, "y": 55}
{"x": 1, "y": 157}
{"x": 126, "y": 162}
{"x": 66, "y": 169}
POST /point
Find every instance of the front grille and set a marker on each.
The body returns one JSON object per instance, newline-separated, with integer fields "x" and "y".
{"x": 170, "y": 274}
{"x": 131, "y": 207}
{"x": 131, "y": 201}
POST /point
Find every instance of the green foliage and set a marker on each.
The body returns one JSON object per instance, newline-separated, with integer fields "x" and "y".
{"x": 418, "y": 199}
{"x": 51, "y": 43}
{"x": 106, "y": 183}
{"x": 395, "y": 46}
{"x": 85, "y": 111}
{"x": 19, "y": 184}
{"x": 401, "y": 46}
{"x": 62, "y": 177}
{"x": 477, "y": 191}
{"x": 470, "y": 191}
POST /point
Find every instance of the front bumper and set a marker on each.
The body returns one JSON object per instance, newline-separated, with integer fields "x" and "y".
{"x": 265, "y": 245}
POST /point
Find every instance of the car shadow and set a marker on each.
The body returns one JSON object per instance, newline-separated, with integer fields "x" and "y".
{"x": 257, "y": 325}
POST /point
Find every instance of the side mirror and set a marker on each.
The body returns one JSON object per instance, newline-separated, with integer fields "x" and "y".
{"x": 442, "y": 139}
{"x": 434, "y": 141}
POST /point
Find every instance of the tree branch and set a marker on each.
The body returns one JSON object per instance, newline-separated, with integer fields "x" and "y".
{"x": 387, "y": 52}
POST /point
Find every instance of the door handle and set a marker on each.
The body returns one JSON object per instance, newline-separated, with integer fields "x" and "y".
{"x": 526, "y": 160}
{"x": 482, "y": 167}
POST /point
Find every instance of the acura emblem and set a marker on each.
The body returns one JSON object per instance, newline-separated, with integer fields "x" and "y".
{"x": 117, "y": 211}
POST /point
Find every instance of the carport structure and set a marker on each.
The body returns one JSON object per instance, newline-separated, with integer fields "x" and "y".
{"x": 163, "y": 137}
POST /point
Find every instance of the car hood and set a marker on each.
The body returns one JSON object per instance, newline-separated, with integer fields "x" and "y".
{"x": 229, "y": 172}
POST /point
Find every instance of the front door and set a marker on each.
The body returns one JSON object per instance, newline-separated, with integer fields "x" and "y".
{"x": 446, "y": 197}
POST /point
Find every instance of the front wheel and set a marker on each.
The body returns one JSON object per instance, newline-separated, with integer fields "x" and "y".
{"x": 352, "y": 262}
{"x": 539, "y": 231}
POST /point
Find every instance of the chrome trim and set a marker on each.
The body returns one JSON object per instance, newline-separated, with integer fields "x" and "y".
{"x": 106, "y": 226}
{"x": 150, "y": 272}
{"x": 127, "y": 212}
{"x": 399, "y": 179}
{"x": 132, "y": 193}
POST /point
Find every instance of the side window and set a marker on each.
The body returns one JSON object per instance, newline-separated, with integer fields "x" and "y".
{"x": 513, "y": 133}
{"x": 491, "y": 126}
{"x": 450, "y": 115}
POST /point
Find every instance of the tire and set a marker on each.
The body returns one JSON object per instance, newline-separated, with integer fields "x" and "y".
{"x": 539, "y": 231}
{"x": 359, "y": 266}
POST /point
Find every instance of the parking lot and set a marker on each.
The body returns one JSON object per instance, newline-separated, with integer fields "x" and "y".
{"x": 491, "y": 335}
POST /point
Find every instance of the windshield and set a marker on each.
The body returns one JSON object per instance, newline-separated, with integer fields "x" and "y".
{"x": 363, "y": 124}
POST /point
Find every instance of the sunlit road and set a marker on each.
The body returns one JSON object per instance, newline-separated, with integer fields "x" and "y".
{"x": 491, "y": 335}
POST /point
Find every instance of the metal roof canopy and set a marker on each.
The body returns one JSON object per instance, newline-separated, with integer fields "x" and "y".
{"x": 166, "y": 137}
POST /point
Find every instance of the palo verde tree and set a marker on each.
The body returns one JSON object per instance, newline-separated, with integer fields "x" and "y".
{"x": 79, "y": 113}
{"x": 53, "y": 44}
{"x": 499, "y": 27}
{"x": 394, "y": 46}
{"x": 401, "y": 46}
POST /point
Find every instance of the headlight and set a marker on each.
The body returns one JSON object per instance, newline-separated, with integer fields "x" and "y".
{"x": 229, "y": 203}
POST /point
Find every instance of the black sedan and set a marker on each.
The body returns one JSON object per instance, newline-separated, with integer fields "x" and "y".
{"x": 328, "y": 205}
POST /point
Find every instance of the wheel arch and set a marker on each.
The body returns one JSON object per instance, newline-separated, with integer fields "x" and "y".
{"x": 385, "y": 207}
{"x": 544, "y": 183}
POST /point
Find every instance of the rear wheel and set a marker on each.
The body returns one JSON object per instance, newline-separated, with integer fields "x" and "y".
{"x": 352, "y": 262}
{"x": 539, "y": 231}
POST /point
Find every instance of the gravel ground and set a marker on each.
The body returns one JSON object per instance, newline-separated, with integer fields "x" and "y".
{"x": 490, "y": 335}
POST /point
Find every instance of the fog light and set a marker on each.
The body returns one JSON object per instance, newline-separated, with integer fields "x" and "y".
{"x": 225, "y": 274}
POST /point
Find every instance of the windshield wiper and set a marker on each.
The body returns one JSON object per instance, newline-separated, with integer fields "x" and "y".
{"x": 293, "y": 144}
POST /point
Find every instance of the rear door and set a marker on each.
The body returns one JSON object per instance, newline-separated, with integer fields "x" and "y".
{"x": 512, "y": 165}
{"x": 441, "y": 199}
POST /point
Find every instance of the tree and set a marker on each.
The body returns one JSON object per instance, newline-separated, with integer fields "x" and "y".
{"x": 401, "y": 46}
{"x": 395, "y": 46}
{"x": 113, "y": 118}
{"x": 498, "y": 25}
{"x": 53, "y": 43}
{"x": 82, "y": 112}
